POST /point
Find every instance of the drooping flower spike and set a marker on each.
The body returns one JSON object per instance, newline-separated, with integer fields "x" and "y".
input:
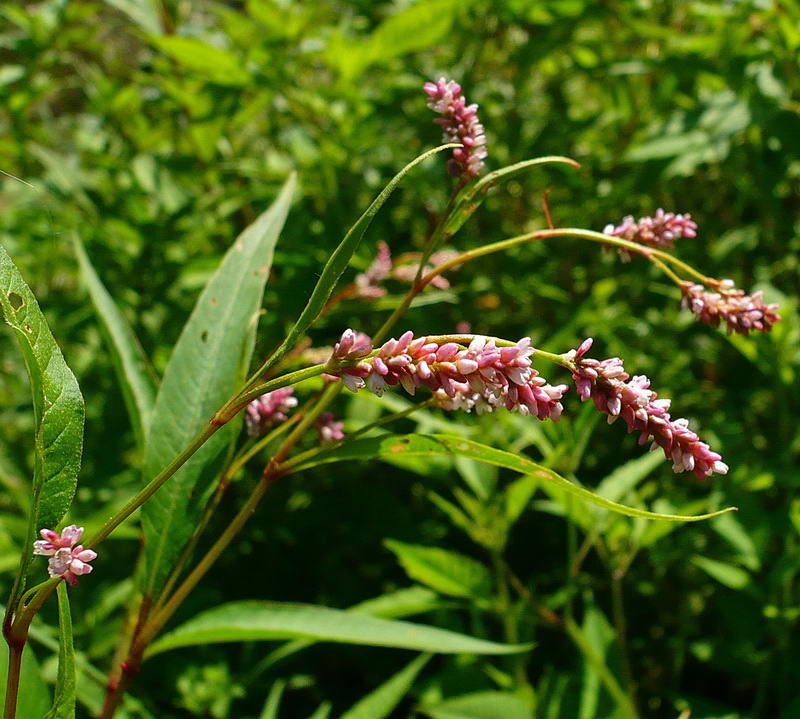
{"x": 459, "y": 123}
{"x": 481, "y": 376}
{"x": 741, "y": 312}
{"x": 269, "y": 410}
{"x": 617, "y": 394}
{"x": 68, "y": 559}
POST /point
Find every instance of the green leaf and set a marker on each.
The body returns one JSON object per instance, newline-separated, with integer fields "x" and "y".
{"x": 64, "y": 699}
{"x": 625, "y": 477}
{"x": 57, "y": 407}
{"x": 206, "y": 61}
{"x": 143, "y": 12}
{"x": 422, "y": 445}
{"x": 472, "y": 196}
{"x": 445, "y": 571}
{"x": 33, "y": 699}
{"x": 420, "y": 26}
{"x": 481, "y": 705}
{"x": 207, "y": 366}
{"x": 728, "y": 574}
{"x": 130, "y": 362}
{"x": 323, "y": 711}
{"x": 273, "y": 703}
{"x": 380, "y": 703}
{"x": 267, "y": 621}
{"x": 339, "y": 259}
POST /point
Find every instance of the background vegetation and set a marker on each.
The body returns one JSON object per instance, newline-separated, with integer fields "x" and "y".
{"x": 157, "y": 133}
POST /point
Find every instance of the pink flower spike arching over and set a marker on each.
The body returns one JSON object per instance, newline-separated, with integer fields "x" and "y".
{"x": 328, "y": 428}
{"x": 459, "y": 123}
{"x": 617, "y": 394}
{"x": 482, "y": 376}
{"x": 741, "y": 313}
{"x": 68, "y": 559}
{"x": 659, "y": 231}
{"x": 269, "y": 410}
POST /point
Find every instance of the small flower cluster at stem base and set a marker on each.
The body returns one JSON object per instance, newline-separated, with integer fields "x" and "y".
{"x": 459, "y": 123}
{"x": 660, "y": 231}
{"x": 617, "y": 394}
{"x": 269, "y": 410}
{"x": 368, "y": 283}
{"x": 68, "y": 559}
{"x": 742, "y": 313}
{"x": 482, "y": 376}
{"x": 329, "y": 428}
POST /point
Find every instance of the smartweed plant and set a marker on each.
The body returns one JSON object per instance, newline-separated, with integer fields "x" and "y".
{"x": 191, "y": 435}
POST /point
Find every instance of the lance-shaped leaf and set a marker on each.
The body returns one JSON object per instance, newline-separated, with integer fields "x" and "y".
{"x": 338, "y": 261}
{"x": 64, "y": 699}
{"x": 265, "y": 621}
{"x": 381, "y": 702}
{"x": 130, "y": 362}
{"x": 57, "y": 405}
{"x": 208, "y": 364}
{"x": 421, "y": 445}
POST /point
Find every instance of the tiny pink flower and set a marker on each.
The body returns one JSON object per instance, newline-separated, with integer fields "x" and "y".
{"x": 66, "y": 559}
{"x": 459, "y": 123}
{"x": 367, "y": 283}
{"x": 617, "y": 394}
{"x": 741, "y": 313}
{"x": 269, "y": 410}
{"x": 328, "y": 428}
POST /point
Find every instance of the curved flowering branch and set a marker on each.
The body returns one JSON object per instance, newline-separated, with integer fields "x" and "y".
{"x": 459, "y": 123}
{"x": 617, "y": 394}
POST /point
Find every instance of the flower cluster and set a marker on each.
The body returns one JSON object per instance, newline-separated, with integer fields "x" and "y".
{"x": 268, "y": 410}
{"x": 459, "y": 123}
{"x": 367, "y": 284}
{"x": 660, "y": 231}
{"x": 617, "y": 394}
{"x": 482, "y": 376}
{"x": 740, "y": 312}
{"x": 329, "y": 428}
{"x": 66, "y": 559}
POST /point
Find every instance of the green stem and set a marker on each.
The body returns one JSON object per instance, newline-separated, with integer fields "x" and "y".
{"x": 244, "y": 456}
{"x": 646, "y": 252}
{"x": 271, "y": 473}
{"x": 15, "y": 650}
{"x": 296, "y": 463}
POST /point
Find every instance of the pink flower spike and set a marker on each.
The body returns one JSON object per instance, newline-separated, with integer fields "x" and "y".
{"x": 659, "y": 231}
{"x": 459, "y": 123}
{"x": 67, "y": 560}
{"x": 616, "y": 394}
{"x": 742, "y": 313}
{"x": 328, "y": 428}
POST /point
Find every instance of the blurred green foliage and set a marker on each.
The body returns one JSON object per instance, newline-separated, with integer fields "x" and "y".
{"x": 157, "y": 132}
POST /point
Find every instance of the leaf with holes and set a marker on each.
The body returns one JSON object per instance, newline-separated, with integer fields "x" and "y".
{"x": 207, "y": 366}
{"x": 57, "y": 407}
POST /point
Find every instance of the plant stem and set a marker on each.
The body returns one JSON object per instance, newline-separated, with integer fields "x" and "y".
{"x": 159, "y": 618}
{"x": 15, "y": 650}
{"x": 224, "y": 482}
